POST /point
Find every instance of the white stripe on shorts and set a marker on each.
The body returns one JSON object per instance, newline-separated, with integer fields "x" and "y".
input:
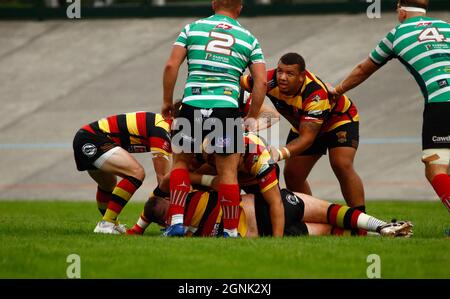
{"x": 103, "y": 158}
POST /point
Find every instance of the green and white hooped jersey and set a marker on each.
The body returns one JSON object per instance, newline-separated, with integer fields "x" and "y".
{"x": 219, "y": 50}
{"x": 422, "y": 44}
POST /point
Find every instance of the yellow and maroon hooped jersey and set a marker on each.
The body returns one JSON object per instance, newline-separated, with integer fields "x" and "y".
{"x": 257, "y": 164}
{"x": 136, "y": 132}
{"x": 203, "y": 215}
{"x": 343, "y": 111}
{"x": 312, "y": 103}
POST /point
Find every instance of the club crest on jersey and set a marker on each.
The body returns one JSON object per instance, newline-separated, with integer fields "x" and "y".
{"x": 224, "y": 26}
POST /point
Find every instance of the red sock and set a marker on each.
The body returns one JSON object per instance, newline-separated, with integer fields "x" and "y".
{"x": 441, "y": 184}
{"x": 140, "y": 226}
{"x": 103, "y": 197}
{"x": 229, "y": 196}
{"x": 343, "y": 216}
{"x": 180, "y": 185}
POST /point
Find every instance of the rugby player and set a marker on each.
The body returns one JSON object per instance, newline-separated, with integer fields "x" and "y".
{"x": 318, "y": 124}
{"x": 304, "y": 215}
{"x": 103, "y": 149}
{"x": 257, "y": 174}
{"x": 422, "y": 44}
{"x": 218, "y": 50}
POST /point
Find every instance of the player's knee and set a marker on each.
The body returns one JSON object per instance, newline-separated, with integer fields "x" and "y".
{"x": 342, "y": 166}
{"x": 436, "y": 162}
{"x": 138, "y": 172}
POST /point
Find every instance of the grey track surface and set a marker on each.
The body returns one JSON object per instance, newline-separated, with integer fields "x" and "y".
{"x": 56, "y": 76}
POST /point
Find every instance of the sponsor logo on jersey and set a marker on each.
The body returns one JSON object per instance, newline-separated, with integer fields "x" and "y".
{"x": 224, "y": 26}
{"x": 196, "y": 90}
{"x": 441, "y": 139}
{"x": 89, "y": 150}
{"x": 310, "y": 118}
{"x": 137, "y": 149}
{"x": 227, "y": 91}
{"x": 315, "y": 112}
{"x": 442, "y": 83}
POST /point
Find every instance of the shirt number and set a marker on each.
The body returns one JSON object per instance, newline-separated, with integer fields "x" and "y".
{"x": 221, "y": 43}
{"x": 431, "y": 33}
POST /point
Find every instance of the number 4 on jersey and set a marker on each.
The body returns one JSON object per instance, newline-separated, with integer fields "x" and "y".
{"x": 431, "y": 33}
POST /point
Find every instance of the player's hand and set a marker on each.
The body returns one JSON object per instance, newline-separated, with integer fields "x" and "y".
{"x": 166, "y": 110}
{"x": 332, "y": 92}
{"x": 334, "y": 95}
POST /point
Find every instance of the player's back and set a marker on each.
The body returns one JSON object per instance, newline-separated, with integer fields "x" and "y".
{"x": 422, "y": 44}
{"x": 135, "y": 131}
{"x": 219, "y": 50}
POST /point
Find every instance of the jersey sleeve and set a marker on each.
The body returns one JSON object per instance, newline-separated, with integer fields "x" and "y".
{"x": 256, "y": 55}
{"x": 316, "y": 107}
{"x": 384, "y": 51}
{"x": 182, "y": 37}
{"x": 247, "y": 81}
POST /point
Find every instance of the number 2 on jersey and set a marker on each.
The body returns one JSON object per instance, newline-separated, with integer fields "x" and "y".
{"x": 221, "y": 43}
{"x": 431, "y": 33}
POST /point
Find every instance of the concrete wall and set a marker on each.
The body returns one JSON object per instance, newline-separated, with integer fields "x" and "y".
{"x": 58, "y": 75}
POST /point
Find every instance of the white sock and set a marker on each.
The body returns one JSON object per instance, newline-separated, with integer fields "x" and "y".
{"x": 177, "y": 219}
{"x": 369, "y": 223}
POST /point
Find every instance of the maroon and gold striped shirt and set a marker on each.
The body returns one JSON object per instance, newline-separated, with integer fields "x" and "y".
{"x": 136, "y": 132}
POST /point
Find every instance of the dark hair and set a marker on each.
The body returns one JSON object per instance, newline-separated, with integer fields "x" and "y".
{"x": 152, "y": 210}
{"x": 414, "y": 3}
{"x": 294, "y": 58}
{"x": 228, "y": 4}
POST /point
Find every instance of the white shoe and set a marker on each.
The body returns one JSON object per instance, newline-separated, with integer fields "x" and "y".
{"x": 396, "y": 229}
{"x": 105, "y": 227}
{"x": 121, "y": 228}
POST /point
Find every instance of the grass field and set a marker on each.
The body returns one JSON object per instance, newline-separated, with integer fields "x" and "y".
{"x": 37, "y": 237}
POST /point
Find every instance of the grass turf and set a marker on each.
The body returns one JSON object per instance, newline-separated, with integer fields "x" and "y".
{"x": 37, "y": 237}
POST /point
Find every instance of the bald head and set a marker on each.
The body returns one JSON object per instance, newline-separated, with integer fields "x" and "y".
{"x": 414, "y": 3}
